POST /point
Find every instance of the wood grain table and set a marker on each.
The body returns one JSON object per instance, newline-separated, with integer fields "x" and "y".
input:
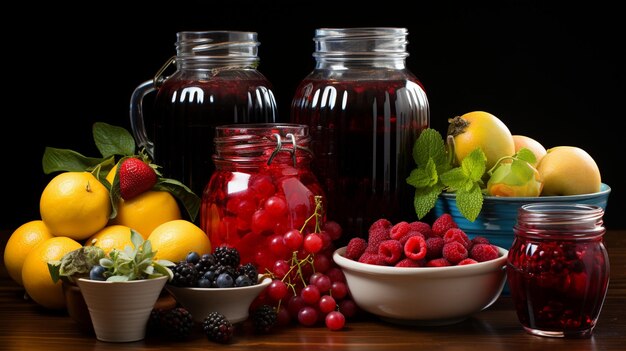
{"x": 26, "y": 326}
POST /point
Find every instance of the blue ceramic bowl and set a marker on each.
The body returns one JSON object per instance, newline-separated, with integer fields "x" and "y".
{"x": 499, "y": 214}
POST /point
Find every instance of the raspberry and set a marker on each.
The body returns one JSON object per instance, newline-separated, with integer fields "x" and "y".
{"x": 390, "y": 251}
{"x": 371, "y": 258}
{"x": 442, "y": 224}
{"x": 467, "y": 261}
{"x": 483, "y": 252}
{"x": 422, "y": 227}
{"x": 399, "y": 230}
{"x": 409, "y": 235}
{"x": 378, "y": 232}
{"x": 434, "y": 246}
{"x": 415, "y": 248}
{"x": 456, "y": 234}
{"x": 480, "y": 240}
{"x": 438, "y": 262}
{"x": 355, "y": 248}
{"x": 454, "y": 252}
{"x": 407, "y": 262}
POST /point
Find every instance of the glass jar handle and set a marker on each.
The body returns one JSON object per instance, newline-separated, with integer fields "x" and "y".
{"x": 136, "y": 107}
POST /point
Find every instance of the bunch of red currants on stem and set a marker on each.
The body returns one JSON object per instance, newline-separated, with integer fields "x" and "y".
{"x": 310, "y": 288}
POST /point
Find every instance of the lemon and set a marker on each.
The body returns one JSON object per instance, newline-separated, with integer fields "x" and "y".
{"x": 173, "y": 240}
{"x": 35, "y": 274}
{"x": 111, "y": 237}
{"x": 20, "y": 243}
{"x": 147, "y": 211}
{"x": 75, "y": 205}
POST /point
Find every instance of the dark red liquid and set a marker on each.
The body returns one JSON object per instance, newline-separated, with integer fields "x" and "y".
{"x": 363, "y": 134}
{"x": 558, "y": 286}
{"x": 187, "y": 112}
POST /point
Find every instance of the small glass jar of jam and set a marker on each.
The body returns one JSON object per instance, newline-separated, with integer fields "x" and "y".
{"x": 262, "y": 188}
{"x": 558, "y": 268}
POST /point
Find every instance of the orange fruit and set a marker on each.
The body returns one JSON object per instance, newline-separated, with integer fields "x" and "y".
{"x": 36, "y": 276}
{"x": 20, "y": 243}
{"x": 75, "y": 205}
{"x": 147, "y": 211}
{"x": 111, "y": 237}
{"x": 173, "y": 240}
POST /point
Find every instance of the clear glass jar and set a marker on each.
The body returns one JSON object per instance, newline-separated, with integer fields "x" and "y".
{"x": 262, "y": 188}
{"x": 558, "y": 268}
{"x": 364, "y": 109}
{"x": 216, "y": 82}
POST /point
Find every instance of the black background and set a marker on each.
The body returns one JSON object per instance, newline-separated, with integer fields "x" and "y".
{"x": 551, "y": 71}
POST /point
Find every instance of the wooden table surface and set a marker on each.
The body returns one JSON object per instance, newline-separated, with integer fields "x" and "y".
{"x": 26, "y": 326}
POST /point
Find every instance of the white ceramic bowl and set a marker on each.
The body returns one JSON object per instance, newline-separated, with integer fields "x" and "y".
{"x": 233, "y": 303}
{"x": 424, "y": 295}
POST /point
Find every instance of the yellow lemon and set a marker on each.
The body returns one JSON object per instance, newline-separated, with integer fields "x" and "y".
{"x": 75, "y": 204}
{"x": 147, "y": 211}
{"x": 111, "y": 237}
{"x": 173, "y": 240}
{"x": 20, "y": 243}
{"x": 35, "y": 274}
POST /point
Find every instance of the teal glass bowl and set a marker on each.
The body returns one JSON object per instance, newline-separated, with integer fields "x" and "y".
{"x": 499, "y": 214}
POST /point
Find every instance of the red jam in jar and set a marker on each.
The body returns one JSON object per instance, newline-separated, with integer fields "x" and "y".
{"x": 262, "y": 188}
{"x": 558, "y": 268}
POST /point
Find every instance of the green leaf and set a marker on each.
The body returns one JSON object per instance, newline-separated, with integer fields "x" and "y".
{"x": 525, "y": 154}
{"x": 136, "y": 238}
{"x": 54, "y": 268}
{"x": 425, "y": 199}
{"x": 66, "y": 160}
{"x": 118, "y": 278}
{"x": 455, "y": 178}
{"x": 470, "y": 202}
{"x": 424, "y": 176}
{"x": 112, "y": 140}
{"x": 190, "y": 201}
{"x": 429, "y": 145}
{"x": 522, "y": 171}
{"x": 474, "y": 165}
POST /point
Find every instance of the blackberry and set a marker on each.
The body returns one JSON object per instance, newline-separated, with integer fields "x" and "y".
{"x": 250, "y": 271}
{"x": 185, "y": 274}
{"x": 227, "y": 256}
{"x": 154, "y": 322}
{"x": 264, "y": 318}
{"x": 204, "y": 263}
{"x": 217, "y": 328}
{"x": 177, "y": 322}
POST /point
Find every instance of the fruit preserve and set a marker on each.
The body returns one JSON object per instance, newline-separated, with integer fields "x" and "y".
{"x": 364, "y": 109}
{"x": 215, "y": 83}
{"x": 558, "y": 268}
{"x": 262, "y": 189}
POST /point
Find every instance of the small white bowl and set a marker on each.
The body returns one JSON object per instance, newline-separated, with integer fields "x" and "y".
{"x": 424, "y": 295}
{"x": 233, "y": 303}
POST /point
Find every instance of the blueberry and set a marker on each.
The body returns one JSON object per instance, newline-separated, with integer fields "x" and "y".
{"x": 204, "y": 283}
{"x": 243, "y": 280}
{"x": 224, "y": 280}
{"x": 193, "y": 257}
{"x": 97, "y": 273}
{"x": 210, "y": 275}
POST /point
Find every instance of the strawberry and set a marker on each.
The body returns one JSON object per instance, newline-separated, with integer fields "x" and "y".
{"x": 136, "y": 177}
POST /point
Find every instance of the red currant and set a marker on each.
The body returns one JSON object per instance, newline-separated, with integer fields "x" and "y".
{"x": 307, "y": 316}
{"x": 310, "y": 294}
{"x": 339, "y": 290}
{"x": 275, "y": 206}
{"x": 277, "y": 290}
{"x": 313, "y": 243}
{"x": 335, "y": 320}
{"x": 327, "y": 304}
{"x": 293, "y": 239}
{"x": 333, "y": 229}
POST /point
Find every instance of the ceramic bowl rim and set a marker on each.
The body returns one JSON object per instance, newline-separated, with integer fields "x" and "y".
{"x": 449, "y": 271}
{"x": 605, "y": 189}
{"x": 261, "y": 284}
{"x": 136, "y": 281}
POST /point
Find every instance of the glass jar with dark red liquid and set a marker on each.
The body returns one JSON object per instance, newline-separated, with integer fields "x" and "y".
{"x": 558, "y": 268}
{"x": 262, "y": 188}
{"x": 364, "y": 109}
{"x": 216, "y": 82}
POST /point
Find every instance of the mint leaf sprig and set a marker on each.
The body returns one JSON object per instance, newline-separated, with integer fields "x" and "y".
{"x": 435, "y": 173}
{"x": 113, "y": 143}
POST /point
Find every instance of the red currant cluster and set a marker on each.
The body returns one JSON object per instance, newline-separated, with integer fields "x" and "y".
{"x": 309, "y": 288}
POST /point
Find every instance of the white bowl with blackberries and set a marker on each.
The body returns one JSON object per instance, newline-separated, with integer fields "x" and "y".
{"x": 216, "y": 282}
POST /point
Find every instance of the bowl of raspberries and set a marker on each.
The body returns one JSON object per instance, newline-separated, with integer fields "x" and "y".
{"x": 216, "y": 282}
{"x": 421, "y": 274}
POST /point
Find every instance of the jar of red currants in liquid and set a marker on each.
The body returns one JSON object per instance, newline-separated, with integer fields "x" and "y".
{"x": 558, "y": 268}
{"x": 365, "y": 110}
{"x": 262, "y": 192}
{"x": 216, "y": 82}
